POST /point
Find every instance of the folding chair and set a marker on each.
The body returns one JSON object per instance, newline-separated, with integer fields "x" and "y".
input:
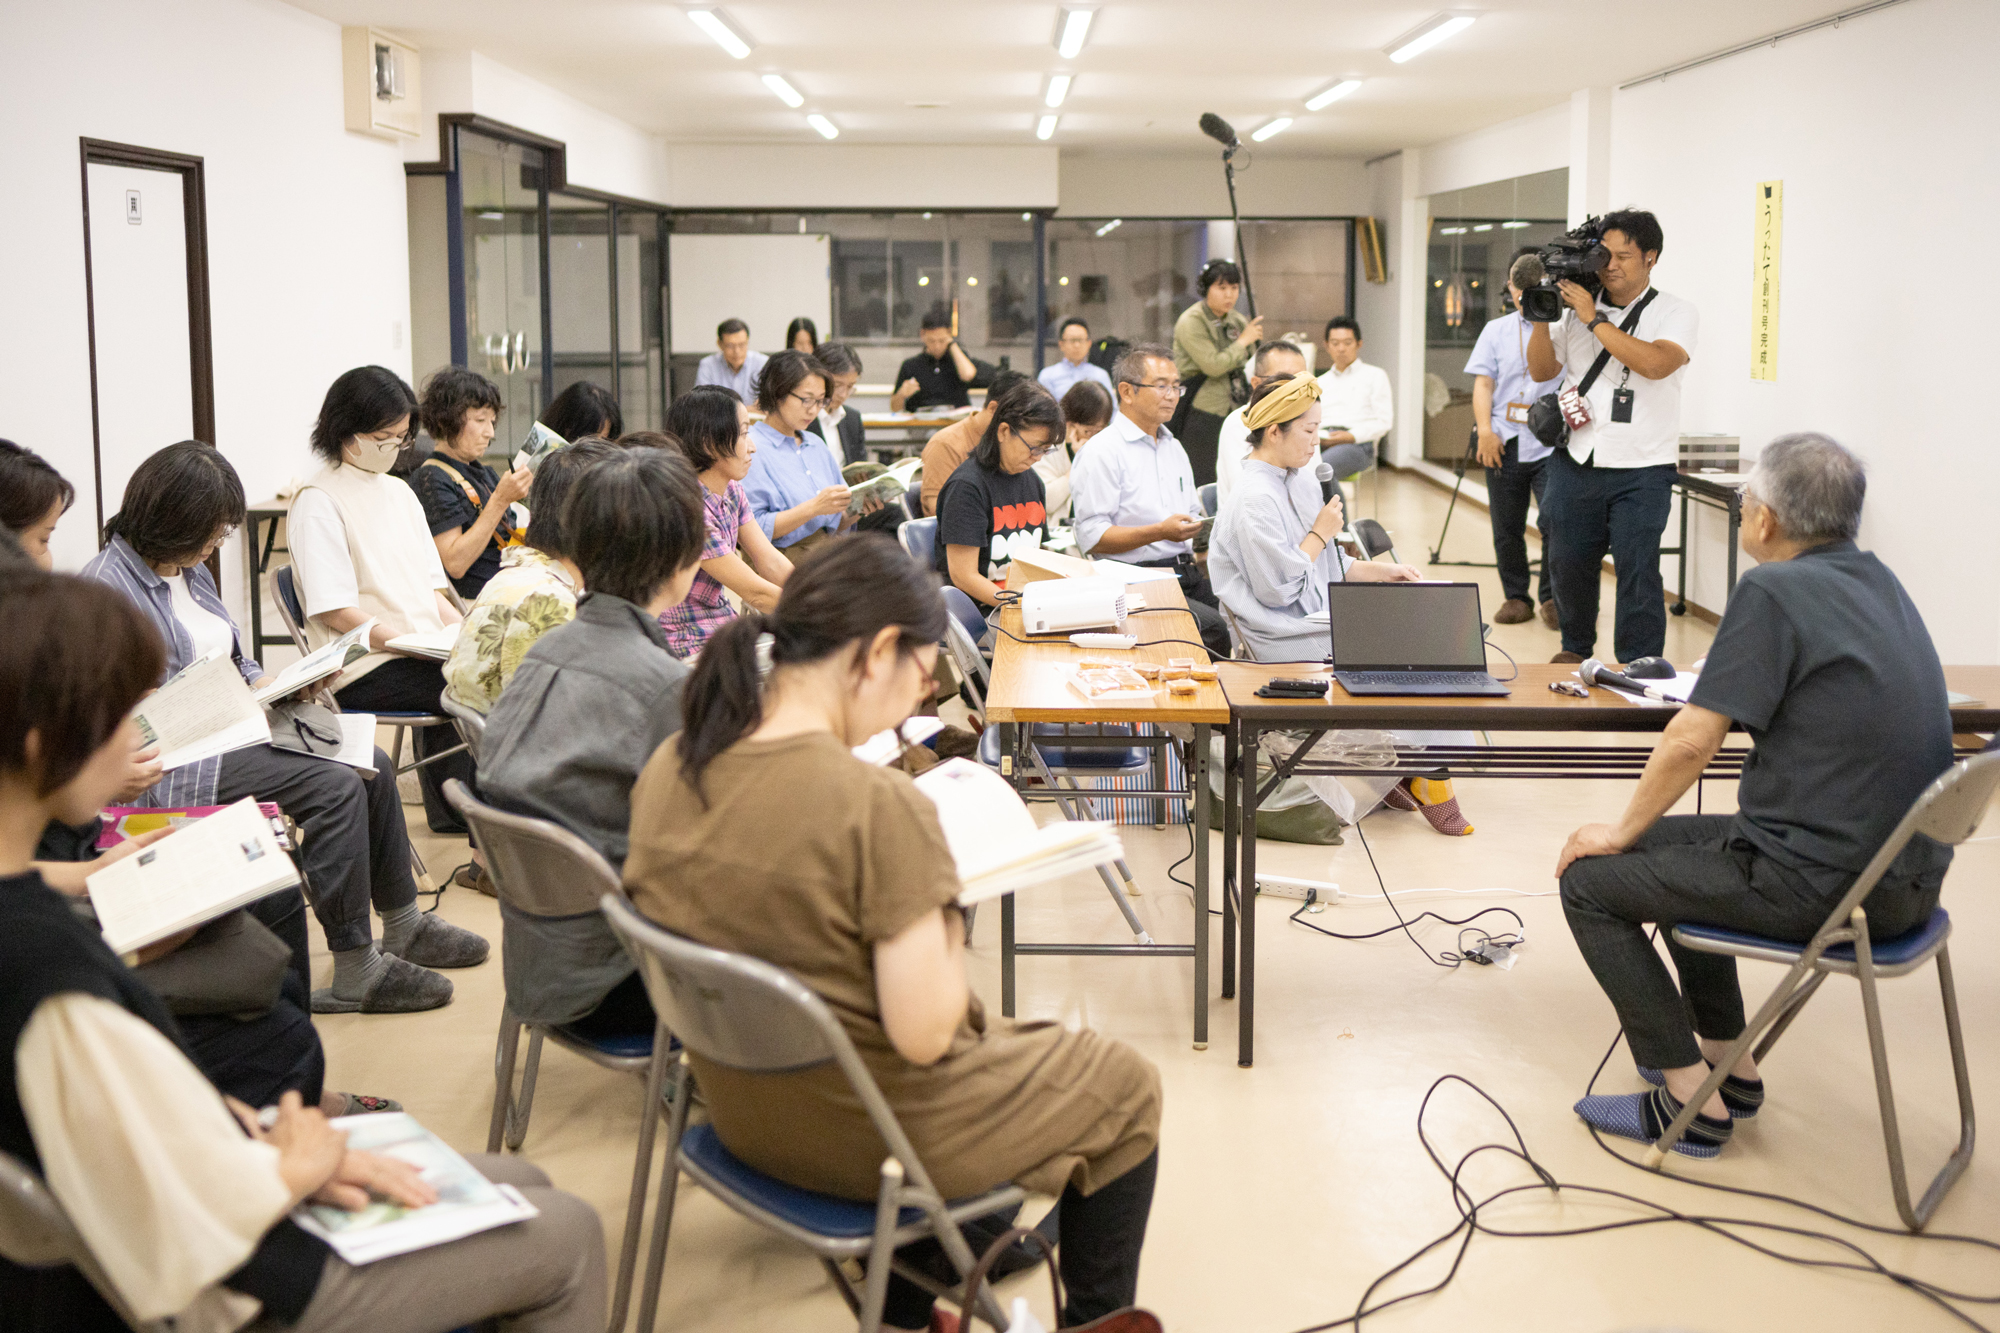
{"x": 1052, "y": 761}
{"x": 1208, "y": 495}
{"x": 469, "y": 723}
{"x": 542, "y": 869}
{"x": 1949, "y": 810}
{"x": 742, "y": 1013}
{"x": 35, "y": 1232}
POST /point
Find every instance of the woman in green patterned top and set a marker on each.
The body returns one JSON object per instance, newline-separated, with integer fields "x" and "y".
{"x": 535, "y": 590}
{"x": 1212, "y": 340}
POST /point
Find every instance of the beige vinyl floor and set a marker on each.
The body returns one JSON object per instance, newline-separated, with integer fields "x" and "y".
{"x": 1285, "y": 1189}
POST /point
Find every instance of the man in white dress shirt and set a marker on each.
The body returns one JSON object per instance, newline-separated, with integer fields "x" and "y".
{"x": 1074, "y": 343}
{"x": 1132, "y": 488}
{"x": 1611, "y": 490}
{"x": 1355, "y": 401}
{"x": 733, "y": 365}
{"x": 1273, "y": 361}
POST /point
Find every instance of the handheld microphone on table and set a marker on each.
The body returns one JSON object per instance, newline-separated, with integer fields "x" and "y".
{"x": 1218, "y": 129}
{"x": 1595, "y": 672}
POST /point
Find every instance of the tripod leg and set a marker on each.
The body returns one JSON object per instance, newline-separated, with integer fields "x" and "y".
{"x": 1458, "y": 480}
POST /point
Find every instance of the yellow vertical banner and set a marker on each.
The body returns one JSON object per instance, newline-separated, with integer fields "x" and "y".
{"x": 1770, "y": 230}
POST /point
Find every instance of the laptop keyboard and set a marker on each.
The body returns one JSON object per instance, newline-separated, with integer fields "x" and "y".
{"x": 1416, "y": 677}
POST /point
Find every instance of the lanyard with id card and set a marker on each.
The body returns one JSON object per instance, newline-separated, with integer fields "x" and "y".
{"x": 1516, "y": 414}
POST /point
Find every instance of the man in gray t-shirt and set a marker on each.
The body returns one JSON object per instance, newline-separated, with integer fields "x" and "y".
{"x": 1824, "y": 660}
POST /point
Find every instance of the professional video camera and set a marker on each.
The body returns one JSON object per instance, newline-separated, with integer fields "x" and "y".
{"x": 1579, "y": 256}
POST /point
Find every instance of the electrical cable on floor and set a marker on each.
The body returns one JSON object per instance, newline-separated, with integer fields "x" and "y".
{"x": 1443, "y": 958}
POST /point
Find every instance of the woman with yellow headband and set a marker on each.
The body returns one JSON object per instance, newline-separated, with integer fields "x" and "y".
{"x": 1271, "y": 557}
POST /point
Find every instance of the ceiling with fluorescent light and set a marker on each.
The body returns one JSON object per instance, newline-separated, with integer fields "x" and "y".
{"x": 977, "y": 71}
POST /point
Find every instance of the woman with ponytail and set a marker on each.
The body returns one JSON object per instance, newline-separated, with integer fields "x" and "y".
{"x": 757, "y": 830}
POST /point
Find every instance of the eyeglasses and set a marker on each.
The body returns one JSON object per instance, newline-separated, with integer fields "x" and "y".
{"x": 1174, "y": 387}
{"x": 809, "y": 404}
{"x": 1040, "y": 450}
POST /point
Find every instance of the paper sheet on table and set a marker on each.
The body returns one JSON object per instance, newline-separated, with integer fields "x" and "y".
{"x": 996, "y": 843}
{"x": 191, "y": 876}
{"x": 205, "y": 710}
{"x": 1676, "y": 690}
{"x": 334, "y": 658}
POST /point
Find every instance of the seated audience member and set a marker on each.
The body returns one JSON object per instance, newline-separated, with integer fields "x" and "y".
{"x": 179, "y": 506}
{"x": 1086, "y": 410}
{"x": 582, "y": 411}
{"x": 1271, "y": 557}
{"x": 33, "y": 499}
{"x": 713, "y": 431}
{"x": 1075, "y": 367}
{"x": 591, "y": 703}
{"x": 995, "y": 504}
{"x": 1272, "y": 362}
{"x": 1359, "y": 407}
{"x": 465, "y": 502}
{"x": 1133, "y": 492}
{"x": 655, "y": 439}
{"x": 837, "y": 871}
{"x": 182, "y": 1197}
{"x": 1824, "y": 660}
{"x": 361, "y": 549}
{"x": 534, "y": 592}
{"x": 794, "y": 485}
{"x": 802, "y": 335}
{"x": 732, "y": 365}
{"x": 939, "y": 375}
{"x": 953, "y": 444}
{"x": 839, "y": 427}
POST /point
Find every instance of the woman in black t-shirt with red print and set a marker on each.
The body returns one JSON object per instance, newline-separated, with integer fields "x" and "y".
{"x": 994, "y": 505}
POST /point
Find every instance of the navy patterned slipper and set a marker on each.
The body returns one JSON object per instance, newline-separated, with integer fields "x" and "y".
{"x": 1743, "y": 1096}
{"x": 1644, "y": 1116}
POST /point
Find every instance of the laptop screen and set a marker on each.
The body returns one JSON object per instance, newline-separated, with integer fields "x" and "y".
{"x": 1391, "y": 626}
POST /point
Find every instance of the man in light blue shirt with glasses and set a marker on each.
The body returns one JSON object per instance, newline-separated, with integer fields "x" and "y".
{"x": 1073, "y": 341}
{"x": 1515, "y": 461}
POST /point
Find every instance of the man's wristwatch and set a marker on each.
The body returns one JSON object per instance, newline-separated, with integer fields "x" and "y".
{"x": 1599, "y": 319}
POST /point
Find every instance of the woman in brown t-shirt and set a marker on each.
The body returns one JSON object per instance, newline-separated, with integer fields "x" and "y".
{"x": 756, "y": 830}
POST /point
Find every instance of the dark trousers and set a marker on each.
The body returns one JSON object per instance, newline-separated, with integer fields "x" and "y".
{"x": 1201, "y": 600}
{"x": 1098, "y": 1255}
{"x": 1201, "y": 439}
{"x": 1619, "y": 511}
{"x": 414, "y": 685}
{"x": 1691, "y": 868}
{"x": 356, "y": 849}
{"x": 1509, "y": 488}
{"x": 260, "y": 1059}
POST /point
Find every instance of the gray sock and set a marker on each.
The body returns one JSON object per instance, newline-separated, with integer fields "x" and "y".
{"x": 355, "y": 970}
{"x": 399, "y": 926}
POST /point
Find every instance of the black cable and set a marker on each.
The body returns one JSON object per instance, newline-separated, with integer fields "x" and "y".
{"x": 1442, "y": 958}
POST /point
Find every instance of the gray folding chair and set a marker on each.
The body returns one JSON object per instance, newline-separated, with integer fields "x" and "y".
{"x": 35, "y": 1232}
{"x": 542, "y": 869}
{"x": 1949, "y": 810}
{"x": 746, "y": 1014}
{"x": 470, "y": 723}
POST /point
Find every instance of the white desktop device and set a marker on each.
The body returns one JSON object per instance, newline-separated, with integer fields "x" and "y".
{"x": 1063, "y": 606}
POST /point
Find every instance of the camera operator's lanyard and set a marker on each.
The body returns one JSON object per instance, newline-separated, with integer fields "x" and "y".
{"x": 1516, "y": 414}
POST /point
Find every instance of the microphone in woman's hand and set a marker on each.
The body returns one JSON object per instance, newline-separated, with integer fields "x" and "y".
{"x": 1324, "y": 472}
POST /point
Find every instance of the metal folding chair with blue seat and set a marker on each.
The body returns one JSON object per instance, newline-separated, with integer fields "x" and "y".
{"x": 1208, "y": 495}
{"x": 919, "y": 538}
{"x": 543, "y": 870}
{"x": 36, "y": 1232}
{"x": 1948, "y": 811}
{"x": 293, "y": 612}
{"x": 913, "y": 501}
{"x": 469, "y": 723}
{"x": 1058, "y": 764}
{"x": 743, "y": 1013}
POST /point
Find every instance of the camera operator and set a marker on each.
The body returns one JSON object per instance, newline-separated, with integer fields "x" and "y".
{"x": 1611, "y": 489}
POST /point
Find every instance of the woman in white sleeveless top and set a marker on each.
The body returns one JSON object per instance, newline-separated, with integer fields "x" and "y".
{"x": 360, "y": 548}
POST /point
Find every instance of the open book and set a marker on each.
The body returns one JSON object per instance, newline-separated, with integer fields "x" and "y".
{"x": 206, "y": 709}
{"x": 190, "y": 877}
{"x": 434, "y": 644}
{"x": 995, "y": 841}
{"x": 888, "y": 487}
{"x": 468, "y": 1202}
{"x": 315, "y": 667}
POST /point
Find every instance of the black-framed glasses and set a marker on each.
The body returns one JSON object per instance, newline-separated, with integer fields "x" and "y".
{"x": 809, "y": 404}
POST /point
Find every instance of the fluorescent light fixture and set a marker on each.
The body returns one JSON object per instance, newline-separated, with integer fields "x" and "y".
{"x": 1428, "y": 34}
{"x": 787, "y": 94}
{"x": 1321, "y": 101}
{"x": 720, "y": 32}
{"x": 1484, "y": 226}
{"x": 827, "y": 129}
{"x": 1070, "y": 35}
{"x": 1272, "y": 128}
{"x": 1513, "y": 226}
{"x": 1111, "y": 226}
{"x": 1046, "y": 126}
{"x": 1451, "y": 231}
{"x": 1058, "y": 89}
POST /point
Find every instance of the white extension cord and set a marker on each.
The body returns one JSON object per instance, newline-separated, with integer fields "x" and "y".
{"x": 1325, "y": 891}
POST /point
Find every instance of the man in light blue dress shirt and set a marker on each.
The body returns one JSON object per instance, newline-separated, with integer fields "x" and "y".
{"x": 1074, "y": 343}
{"x": 1515, "y": 461}
{"x": 734, "y": 366}
{"x": 1132, "y": 487}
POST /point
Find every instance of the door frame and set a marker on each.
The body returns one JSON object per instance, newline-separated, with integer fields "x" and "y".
{"x": 201, "y": 345}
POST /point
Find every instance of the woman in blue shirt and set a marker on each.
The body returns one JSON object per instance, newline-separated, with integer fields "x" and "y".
{"x": 796, "y": 493}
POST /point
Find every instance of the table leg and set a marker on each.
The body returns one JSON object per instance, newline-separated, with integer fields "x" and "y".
{"x": 1246, "y": 885}
{"x": 1735, "y": 524}
{"x": 1231, "y": 805}
{"x": 1009, "y": 765}
{"x": 1680, "y": 605}
{"x": 1198, "y": 775}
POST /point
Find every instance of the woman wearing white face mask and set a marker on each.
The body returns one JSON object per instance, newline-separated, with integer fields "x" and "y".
{"x": 360, "y": 548}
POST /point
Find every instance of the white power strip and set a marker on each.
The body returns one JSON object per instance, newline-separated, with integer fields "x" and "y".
{"x": 1282, "y": 886}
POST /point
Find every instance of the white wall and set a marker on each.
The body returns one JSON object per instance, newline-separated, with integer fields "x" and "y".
{"x": 1190, "y": 185}
{"x": 306, "y": 245}
{"x": 1538, "y": 141}
{"x": 1883, "y": 350}
{"x": 818, "y": 175}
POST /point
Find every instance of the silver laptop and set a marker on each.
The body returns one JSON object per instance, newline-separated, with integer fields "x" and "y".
{"x": 1408, "y": 638}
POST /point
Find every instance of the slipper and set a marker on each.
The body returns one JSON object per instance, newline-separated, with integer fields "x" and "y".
{"x": 360, "y": 1103}
{"x": 403, "y": 988}
{"x": 473, "y": 876}
{"x": 1744, "y": 1097}
{"x": 1644, "y": 1116}
{"x": 438, "y": 943}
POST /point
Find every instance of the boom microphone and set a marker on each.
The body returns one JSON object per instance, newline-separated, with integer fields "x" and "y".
{"x": 1595, "y": 672}
{"x": 1216, "y": 128}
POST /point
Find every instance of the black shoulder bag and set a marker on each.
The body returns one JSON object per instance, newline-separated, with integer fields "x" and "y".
{"x": 1545, "y": 418}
